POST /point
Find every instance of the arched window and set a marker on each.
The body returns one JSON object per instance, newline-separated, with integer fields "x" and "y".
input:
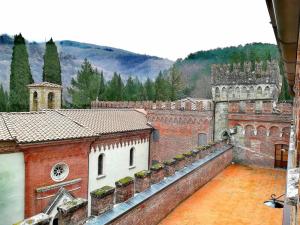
{"x": 51, "y": 100}
{"x": 131, "y": 157}
{"x": 259, "y": 92}
{"x": 35, "y": 101}
{"x": 224, "y": 93}
{"x": 100, "y": 164}
{"x": 243, "y": 93}
{"x": 267, "y": 91}
{"x": 237, "y": 92}
{"x": 217, "y": 92}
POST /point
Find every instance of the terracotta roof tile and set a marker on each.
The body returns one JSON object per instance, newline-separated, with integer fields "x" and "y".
{"x": 105, "y": 121}
{"x": 26, "y": 127}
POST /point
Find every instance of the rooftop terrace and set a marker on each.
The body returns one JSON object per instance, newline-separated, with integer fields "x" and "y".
{"x": 235, "y": 196}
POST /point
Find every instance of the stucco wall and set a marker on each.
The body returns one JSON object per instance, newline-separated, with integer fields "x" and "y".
{"x": 116, "y": 162}
{"x": 11, "y": 188}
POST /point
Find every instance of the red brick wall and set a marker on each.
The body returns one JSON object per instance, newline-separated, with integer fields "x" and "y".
{"x": 178, "y": 131}
{"x": 258, "y": 147}
{"x": 38, "y": 164}
{"x": 161, "y": 204}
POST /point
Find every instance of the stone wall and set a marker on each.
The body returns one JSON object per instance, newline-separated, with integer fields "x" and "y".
{"x": 248, "y": 73}
{"x": 155, "y": 203}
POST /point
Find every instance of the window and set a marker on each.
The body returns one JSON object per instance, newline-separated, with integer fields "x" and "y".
{"x": 59, "y": 172}
{"x": 51, "y": 100}
{"x": 202, "y": 139}
{"x": 35, "y": 101}
{"x": 131, "y": 157}
{"x": 155, "y": 135}
{"x": 100, "y": 164}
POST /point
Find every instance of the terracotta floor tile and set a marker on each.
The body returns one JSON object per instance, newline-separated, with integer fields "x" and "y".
{"x": 234, "y": 197}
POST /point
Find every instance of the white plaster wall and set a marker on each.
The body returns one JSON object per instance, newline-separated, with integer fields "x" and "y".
{"x": 116, "y": 164}
{"x": 12, "y": 184}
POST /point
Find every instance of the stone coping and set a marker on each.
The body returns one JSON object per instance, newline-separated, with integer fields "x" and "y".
{"x": 102, "y": 192}
{"x": 58, "y": 185}
{"x": 142, "y": 174}
{"x": 139, "y": 198}
{"x": 124, "y": 181}
{"x": 157, "y": 167}
{"x": 72, "y": 205}
{"x": 169, "y": 162}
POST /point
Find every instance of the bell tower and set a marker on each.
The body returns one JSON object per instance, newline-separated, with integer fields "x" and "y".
{"x": 44, "y": 95}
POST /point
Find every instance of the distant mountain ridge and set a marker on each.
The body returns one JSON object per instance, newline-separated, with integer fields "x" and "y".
{"x": 72, "y": 54}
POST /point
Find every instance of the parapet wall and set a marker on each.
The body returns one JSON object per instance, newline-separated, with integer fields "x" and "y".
{"x": 202, "y": 105}
{"x": 259, "y": 107}
{"x": 248, "y": 73}
{"x": 157, "y": 201}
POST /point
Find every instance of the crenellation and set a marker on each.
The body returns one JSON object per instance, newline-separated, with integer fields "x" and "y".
{"x": 197, "y": 105}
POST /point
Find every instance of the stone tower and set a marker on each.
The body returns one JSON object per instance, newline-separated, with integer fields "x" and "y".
{"x": 44, "y": 96}
{"x": 257, "y": 82}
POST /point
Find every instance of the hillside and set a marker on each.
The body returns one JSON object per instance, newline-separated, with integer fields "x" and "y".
{"x": 195, "y": 68}
{"x": 72, "y": 55}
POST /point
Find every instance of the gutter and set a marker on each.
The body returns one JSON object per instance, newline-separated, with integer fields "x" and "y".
{"x": 284, "y": 16}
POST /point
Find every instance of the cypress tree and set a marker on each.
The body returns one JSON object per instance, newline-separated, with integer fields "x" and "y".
{"x": 3, "y": 99}
{"x": 20, "y": 76}
{"x": 51, "y": 69}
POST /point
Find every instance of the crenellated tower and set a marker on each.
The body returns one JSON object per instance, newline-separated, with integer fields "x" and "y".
{"x": 257, "y": 82}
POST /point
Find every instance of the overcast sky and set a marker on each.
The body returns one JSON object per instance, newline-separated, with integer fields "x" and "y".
{"x": 166, "y": 28}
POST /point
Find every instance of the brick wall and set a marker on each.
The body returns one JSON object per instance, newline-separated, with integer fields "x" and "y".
{"x": 177, "y": 131}
{"x": 39, "y": 161}
{"x": 159, "y": 205}
{"x": 256, "y": 137}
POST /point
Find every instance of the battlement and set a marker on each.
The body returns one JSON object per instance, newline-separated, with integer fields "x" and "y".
{"x": 186, "y": 105}
{"x": 259, "y": 107}
{"x": 246, "y": 73}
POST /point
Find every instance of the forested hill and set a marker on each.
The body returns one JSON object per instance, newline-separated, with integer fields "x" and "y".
{"x": 72, "y": 55}
{"x": 195, "y": 68}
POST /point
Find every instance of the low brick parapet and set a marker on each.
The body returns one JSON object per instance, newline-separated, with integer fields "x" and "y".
{"x": 157, "y": 173}
{"x": 170, "y": 167}
{"x": 156, "y": 202}
{"x": 102, "y": 200}
{"x": 180, "y": 162}
{"x": 142, "y": 181}
{"x": 124, "y": 189}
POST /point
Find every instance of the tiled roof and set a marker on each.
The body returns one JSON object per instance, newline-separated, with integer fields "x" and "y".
{"x": 4, "y": 132}
{"x": 105, "y": 121}
{"x": 45, "y": 84}
{"x": 27, "y": 127}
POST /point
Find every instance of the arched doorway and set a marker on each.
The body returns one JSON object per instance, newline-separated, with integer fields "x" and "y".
{"x": 281, "y": 156}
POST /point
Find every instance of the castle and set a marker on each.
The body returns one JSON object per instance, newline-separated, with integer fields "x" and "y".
{"x": 118, "y": 139}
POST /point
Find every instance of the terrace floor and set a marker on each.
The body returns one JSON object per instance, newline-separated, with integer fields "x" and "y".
{"x": 234, "y": 197}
